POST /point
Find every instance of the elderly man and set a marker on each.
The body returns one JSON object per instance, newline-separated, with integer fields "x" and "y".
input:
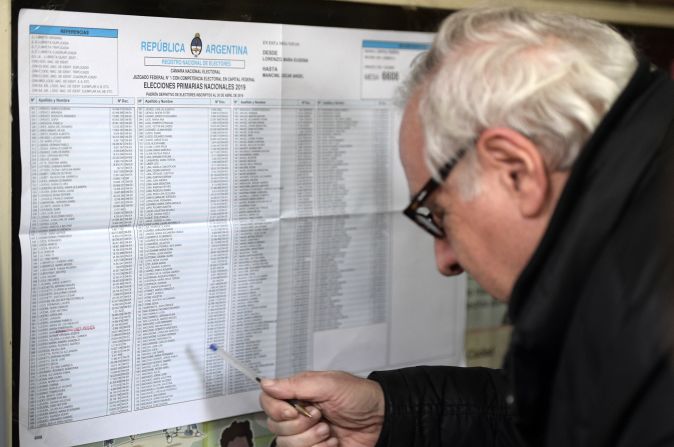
{"x": 545, "y": 140}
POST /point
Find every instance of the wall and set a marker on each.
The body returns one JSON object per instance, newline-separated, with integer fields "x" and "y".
{"x": 5, "y": 226}
{"x": 626, "y": 12}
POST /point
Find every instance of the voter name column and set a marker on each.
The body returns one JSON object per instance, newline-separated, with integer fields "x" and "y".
{"x": 122, "y": 248}
{"x": 255, "y": 200}
{"x": 219, "y": 239}
{"x": 295, "y": 303}
{"x": 353, "y": 202}
{"x": 68, "y": 260}
{"x": 172, "y": 250}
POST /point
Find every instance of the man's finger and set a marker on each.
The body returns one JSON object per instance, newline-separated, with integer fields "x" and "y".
{"x": 280, "y": 410}
{"x": 276, "y": 409}
{"x": 315, "y": 435}
{"x": 294, "y": 426}
{"x": 330, "y": 442}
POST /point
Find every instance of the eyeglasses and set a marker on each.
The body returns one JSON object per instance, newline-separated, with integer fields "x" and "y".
{"x": 419, "y": 212}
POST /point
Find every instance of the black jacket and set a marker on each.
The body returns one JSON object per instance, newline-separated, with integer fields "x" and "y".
{"x": 591, "y": 360}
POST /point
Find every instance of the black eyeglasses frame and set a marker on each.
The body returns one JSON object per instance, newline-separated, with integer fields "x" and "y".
{"x": 421, "y": 214}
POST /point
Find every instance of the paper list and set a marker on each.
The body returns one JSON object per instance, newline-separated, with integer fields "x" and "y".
{"x": 180, "y": 199}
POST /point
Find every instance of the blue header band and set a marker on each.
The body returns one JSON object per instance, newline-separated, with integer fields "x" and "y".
{"x": 396, "y": 45}
{"x": 72, "y": 31}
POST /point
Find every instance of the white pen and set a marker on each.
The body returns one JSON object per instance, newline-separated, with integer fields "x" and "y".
{"x": 246, "y": 371}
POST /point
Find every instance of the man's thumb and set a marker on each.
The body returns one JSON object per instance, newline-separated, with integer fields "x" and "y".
{"x": 305, "y": 386}
{"x": 278, "y": 388}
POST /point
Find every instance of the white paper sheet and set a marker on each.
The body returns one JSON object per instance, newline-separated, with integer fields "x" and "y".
{"x": 191, "y": 182}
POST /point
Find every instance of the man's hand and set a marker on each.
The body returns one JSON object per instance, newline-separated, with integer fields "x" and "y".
{"x": 346, "y": 410}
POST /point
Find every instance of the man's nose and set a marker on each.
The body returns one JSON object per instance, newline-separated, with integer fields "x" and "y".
{"x": 445, "y": 258}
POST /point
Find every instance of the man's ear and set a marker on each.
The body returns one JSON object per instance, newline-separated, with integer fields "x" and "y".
{"x": 518, "y": 166}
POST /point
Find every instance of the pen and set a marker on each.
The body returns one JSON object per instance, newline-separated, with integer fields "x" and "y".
{"x": 246, "y": 371}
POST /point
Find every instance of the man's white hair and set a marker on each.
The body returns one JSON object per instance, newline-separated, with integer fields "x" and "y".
{"x": 550, "y": 76}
